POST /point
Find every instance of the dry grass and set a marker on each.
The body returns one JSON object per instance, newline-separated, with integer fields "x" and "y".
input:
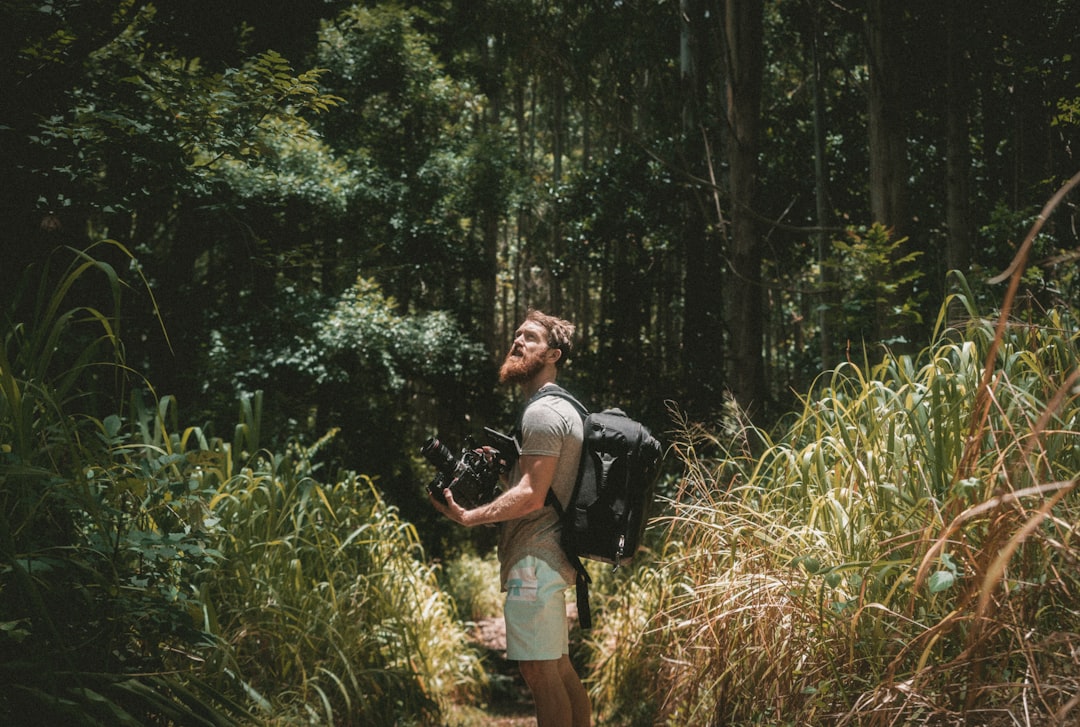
{"x": 903, "y": 551}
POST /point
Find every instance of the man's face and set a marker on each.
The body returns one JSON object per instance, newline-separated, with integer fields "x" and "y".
{"x": 527, "y": 356}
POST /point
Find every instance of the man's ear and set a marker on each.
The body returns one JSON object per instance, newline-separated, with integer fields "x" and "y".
{"x": 556, "y": 354}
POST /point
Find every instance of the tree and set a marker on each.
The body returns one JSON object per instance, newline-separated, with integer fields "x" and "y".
{"x": 887, "y": 127}
{"x": 431, "y": 179}
{"x": 957, "y": 134}
{"x": 703, "y": 332}
{"x": 743, "y": 66}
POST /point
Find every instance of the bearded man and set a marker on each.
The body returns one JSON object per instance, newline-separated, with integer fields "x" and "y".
{"x": 534, "y": 570}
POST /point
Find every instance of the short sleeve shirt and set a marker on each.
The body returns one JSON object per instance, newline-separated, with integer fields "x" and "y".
{"x": 550, "y": 427}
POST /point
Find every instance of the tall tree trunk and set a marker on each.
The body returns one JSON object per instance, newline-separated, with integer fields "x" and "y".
{"x": 888, "y": 144}
{"x": 490, "y": 216}
{"x": 957, "y": 152}
{"x": 702, "y": 329}
{"x": 558, "y": 133}
{"x": 821, "y": 195}
{"x": 743, "y": 67}
{"x": 887, "y": 131}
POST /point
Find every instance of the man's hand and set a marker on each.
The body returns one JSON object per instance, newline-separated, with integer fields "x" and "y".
{"x": 449, "y": 508}
{"x": 526, "y": 497}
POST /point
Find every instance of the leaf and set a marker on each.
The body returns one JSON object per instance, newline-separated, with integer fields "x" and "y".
{"x": 941, "y": 580}
{"x": 112, "y": 426}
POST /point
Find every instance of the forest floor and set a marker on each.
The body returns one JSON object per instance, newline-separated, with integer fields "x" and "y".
{"x": 509, "y": 703}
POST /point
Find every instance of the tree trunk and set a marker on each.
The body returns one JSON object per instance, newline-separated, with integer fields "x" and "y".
{"x": 702, "y": 327}
{"x": 957, "y": 153}
{"x": 887, "y": 131}
{"x": 888, "y": 146}
{"x": 826, "y": 277}
{"x": 489, "y": 217}
{"x": 558, "y": 133}
{"x": 743, "y": 66}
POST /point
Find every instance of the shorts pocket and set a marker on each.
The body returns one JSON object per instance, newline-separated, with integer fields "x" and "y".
{"x": 522, "y": 584}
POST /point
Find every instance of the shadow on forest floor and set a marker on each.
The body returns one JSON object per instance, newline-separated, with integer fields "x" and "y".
{"x": 509, "y": 703}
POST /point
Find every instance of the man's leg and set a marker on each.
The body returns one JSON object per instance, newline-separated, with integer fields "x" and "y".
{"x": 560, "y": 697}
{"x": 536, "y": 637}
{"x": 553, "y": 706}
{"x": 575, "y": 690}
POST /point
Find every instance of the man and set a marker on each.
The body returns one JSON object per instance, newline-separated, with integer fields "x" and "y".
{"x": 534, "y": 570}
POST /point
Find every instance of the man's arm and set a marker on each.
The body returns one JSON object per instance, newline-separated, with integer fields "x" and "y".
{"x": 527, "y": 496}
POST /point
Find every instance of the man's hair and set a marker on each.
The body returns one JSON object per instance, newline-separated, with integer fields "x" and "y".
{"x": 560, "y": 333}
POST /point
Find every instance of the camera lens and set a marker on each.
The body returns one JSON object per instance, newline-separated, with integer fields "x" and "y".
{"x": 439, "y": 455}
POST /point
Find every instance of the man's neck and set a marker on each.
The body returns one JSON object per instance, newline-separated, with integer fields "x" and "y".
{"x": 536, "y": 383}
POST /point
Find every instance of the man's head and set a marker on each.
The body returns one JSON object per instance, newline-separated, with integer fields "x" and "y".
{"x": 542, "y": 344}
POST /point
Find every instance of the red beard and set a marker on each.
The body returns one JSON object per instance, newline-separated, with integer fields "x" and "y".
{"x": 517, "y": 369}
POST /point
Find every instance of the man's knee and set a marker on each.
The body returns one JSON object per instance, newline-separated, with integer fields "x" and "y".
{"x": 539, "y": 673}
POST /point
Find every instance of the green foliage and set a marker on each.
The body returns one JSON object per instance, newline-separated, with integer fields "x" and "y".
{"x": 897, "y": 551}
{"x": 102, "y": 532}
{"x": 876, "y": 289}
{"x": 473, "y": 584}
{"x": 1051, "y": 281}
{"x": 429, "y": 172}
{"x": 363, "y": 336}
{"x": 350, "y": 364}
{"x": 40, "y": 366}
{"x": 1068, "y": 110}
{"x": 146, "y": 119}
{"x": 296, "y": 166}
{"x": 360, "y": 339}
{"x": 150, "y": 573}
{"x": 324, "y": 606}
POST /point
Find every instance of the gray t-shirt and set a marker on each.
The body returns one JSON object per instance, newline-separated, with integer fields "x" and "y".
{"x": 551, "y": 426}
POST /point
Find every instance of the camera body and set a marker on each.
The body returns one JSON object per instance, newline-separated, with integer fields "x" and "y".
{"x": 474, "y": 477}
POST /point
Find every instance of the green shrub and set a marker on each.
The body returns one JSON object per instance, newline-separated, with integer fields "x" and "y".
{"x": 101, "y": 534}
{"x": 473, "y": 584}
{"x": 152, "y": 575}
{"x": 324, "y": 606}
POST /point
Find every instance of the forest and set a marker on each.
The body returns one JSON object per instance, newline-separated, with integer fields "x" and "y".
{"x": 253, "y": 254}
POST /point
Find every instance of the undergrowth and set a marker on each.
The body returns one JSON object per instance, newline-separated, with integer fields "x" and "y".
{"x": 903, "y": 550}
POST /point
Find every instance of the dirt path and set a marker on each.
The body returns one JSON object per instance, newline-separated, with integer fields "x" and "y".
{"x": 510, "y": 704}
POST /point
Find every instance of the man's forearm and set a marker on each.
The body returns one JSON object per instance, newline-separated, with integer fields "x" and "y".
{"x": 519, "y": 501}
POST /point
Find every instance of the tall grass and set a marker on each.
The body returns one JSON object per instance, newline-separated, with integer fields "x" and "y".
{"x": 150, "y": 574}
{"x": 903, "y": 551}
{"x": 881, "y": 562}
{"x": 92, "y": 600}
{"x": 324, "y": 606}
{"x": 473, "y": 584}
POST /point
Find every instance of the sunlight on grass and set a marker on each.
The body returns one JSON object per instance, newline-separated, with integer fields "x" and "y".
{"x": 888, "y": 555}
{"x": 473, "y": 584}
{"x": 326, "y": 607}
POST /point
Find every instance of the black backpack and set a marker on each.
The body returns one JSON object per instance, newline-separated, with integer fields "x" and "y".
{"x": 608, "y": 510}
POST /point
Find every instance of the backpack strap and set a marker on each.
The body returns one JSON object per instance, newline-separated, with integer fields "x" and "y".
{"x": 582, "y": 579}
{"x": 556, "y": 390}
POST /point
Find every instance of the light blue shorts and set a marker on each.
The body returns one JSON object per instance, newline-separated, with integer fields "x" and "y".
{"x": 535, "y": 611}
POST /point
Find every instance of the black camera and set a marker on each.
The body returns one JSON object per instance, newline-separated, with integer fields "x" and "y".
{"x": 474, "y": 477}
